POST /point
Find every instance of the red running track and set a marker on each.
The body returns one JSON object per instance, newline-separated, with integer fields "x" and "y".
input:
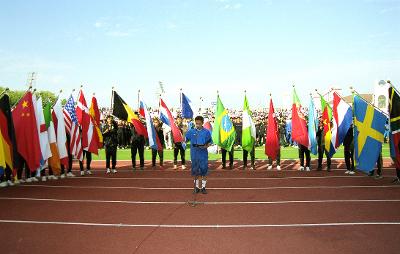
{"x": 245, "y": 212}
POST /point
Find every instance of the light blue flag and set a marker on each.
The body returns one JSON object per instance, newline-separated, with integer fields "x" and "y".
{"x": 312, "y": 127}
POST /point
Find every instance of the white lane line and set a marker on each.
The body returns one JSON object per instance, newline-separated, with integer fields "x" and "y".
{"x": 207, "y": 202}
{"x": 217, "y": 170}
{"x": 297, "y": 225}
{"x": 215, "y": 178}
{"x": 215, "y": 188}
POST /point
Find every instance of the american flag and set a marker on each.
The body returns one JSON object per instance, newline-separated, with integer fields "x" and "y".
{"x": 72, "y": 126}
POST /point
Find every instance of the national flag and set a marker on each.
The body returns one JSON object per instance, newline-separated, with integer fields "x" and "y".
{"x": 187, "y": 111}
{"x": 72, "y": 126}
{"x": 272, "y": 138}
{"x": 26, "y": 132}
{"x": 9, "y": 153}
{"x": 394, "y": 113}
{"x": 124, "y": 112}
{"x": 369, "y": 127}
{"x": 167, "y": 118}
{"x": 42, "y": 130}
{"x": 299, "y": 124}
{"x": 207, "y": 125}
{"x": 343, "y": 116}
{"x": 95, "y": 114}
{"x": 312, "y": 127}
{"x": 223, "y": 134}
{"x": 61, "y": 136}
{"x": 5, "y": 144}
{"x": 248, "y": 127}
{"x": 327, "y": 134}
{"x": 82, "y": 114}
{"x": 54, "y": 160}
{"x": 154, "y": 141}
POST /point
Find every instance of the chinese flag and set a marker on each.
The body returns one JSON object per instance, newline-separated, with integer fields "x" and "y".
{"x": 26, "y": 132}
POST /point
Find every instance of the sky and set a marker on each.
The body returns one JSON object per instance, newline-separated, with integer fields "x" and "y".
{"x": 201, "y": 46}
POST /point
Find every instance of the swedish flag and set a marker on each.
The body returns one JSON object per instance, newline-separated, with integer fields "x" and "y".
{"x": 369, "y": 127}
{"x": 223, "y": 134}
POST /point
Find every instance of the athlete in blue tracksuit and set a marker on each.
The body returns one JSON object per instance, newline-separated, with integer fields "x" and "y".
{"x": 200, "y": 139}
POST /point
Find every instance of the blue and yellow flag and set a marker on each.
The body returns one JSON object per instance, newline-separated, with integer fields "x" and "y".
{"x": 369, "y": 127}
{"x": 223, "y": 134}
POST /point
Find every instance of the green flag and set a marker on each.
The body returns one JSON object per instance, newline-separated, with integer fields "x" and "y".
{"x": 248, "y": 128}
{"x": 223, "y": 134}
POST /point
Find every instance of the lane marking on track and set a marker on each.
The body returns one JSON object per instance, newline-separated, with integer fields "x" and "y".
{"x": 206, "y": 202}
{"x": 298, "y": 225}
{"x": 215, "y": 178}
{"x": 211, "y": 188}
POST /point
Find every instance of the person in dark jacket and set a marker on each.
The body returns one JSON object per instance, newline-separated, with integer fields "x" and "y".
{"x": 321, "y": 148}
{"x": 160, "y": 150}
{"x": 137, "y": 146}
{"x": 110, "y": 138}
{"x": 348, "y": 144}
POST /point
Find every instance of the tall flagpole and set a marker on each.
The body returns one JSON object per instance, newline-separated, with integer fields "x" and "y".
{"x": 112, "y": 98}
{"x": 180, "y": 99}
{"x": 138, "y": 99}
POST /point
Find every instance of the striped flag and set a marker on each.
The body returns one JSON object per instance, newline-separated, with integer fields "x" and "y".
{"x": 330, "y": 127}
{"x": 167, "y": 118}
{"x": 72, "y": 127}
{"x": 154, "y": 141}
{"x": 82, "y": 113}
{"x": 248, "y": 127}
{"x": 312, "y": 127}
{"x": 342, "y": 117}
{"x": 42, "y": 130}
{"x": 57, "y": 116}
{"x": 394, "y": 113}
{"x": 54, "y": 160}
{"x": 95, "y": 115}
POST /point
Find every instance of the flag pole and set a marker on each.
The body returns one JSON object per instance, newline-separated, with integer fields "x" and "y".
{"x": 138, "y": 99}
{"x": 112, "y": 98}
{"x": 359, "y": 95}
{"x": 354, "y": 125}
{"x": 180, "y": 99}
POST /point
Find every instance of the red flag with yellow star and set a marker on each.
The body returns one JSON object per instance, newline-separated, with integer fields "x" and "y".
{"x": 26, "y": 132}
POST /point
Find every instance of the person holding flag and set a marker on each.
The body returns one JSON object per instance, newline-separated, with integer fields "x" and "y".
{"x": 394, "y": 124}
{"x": 137, "y": 146}
{"x": 272, "y": 143}
{"x": 179, "y": 146}
{"x": 248, "y": 135}
{"x": 348, "y": 144}
{"x": 175, "y": 130}
{"x": 369, "y": 127}
{"x": 223, "y": 133}
{"x": 300, "y": 132}
{"x": 110, "y": 143}
{"x": 159, "y": 150}
{"x": 321, "y": 147}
